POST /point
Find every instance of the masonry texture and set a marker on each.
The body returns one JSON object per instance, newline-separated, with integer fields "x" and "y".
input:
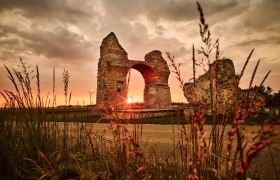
{"x": 112, "y": 78}
{"x": 227, "y": 87}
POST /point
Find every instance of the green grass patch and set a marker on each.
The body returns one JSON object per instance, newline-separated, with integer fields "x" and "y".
{"x": 251, "y": 120}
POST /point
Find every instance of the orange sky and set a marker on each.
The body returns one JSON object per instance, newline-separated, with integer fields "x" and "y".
{"x": 68, "y": 34}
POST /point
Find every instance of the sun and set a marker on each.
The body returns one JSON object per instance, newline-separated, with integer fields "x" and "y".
{"x": 129, "y": 99}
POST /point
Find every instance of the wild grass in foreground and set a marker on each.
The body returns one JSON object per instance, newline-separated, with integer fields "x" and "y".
{"x": 32, "y": 148}
{"x": 206, "y": 158}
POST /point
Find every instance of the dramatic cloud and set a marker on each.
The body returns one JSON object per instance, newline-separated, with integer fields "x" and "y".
{"x": 67, "y": 34}
{"x": 66, "y": 11}
{"x": 58, "y": 43}
{"x": 171, "y": 10}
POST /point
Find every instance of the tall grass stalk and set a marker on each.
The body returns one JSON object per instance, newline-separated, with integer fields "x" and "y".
{"x": 204, "y": 160}
{"x": 65, "y": 78}
{"x": 28, "y": 134}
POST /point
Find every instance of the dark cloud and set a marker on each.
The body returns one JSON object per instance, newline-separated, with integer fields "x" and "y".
{"x": 10, "y": 49}
{"x": 160, "y": 30}
{"x": 8, "y": 43}
{"x": 186, "y": 10}
{"x": 3, "y": 33}
{"x": 58, "y": 42}
{"x": 258, "y": 18}
{"x": 267, "y": 11}
{"x": 8, "y": 56}
{"x": 172, "y": 10}
{"x": 6, "y": 30}
{"x": 10, "y": 46}
{"x": 66, "y": 11}
{"x": 275, "y": 40}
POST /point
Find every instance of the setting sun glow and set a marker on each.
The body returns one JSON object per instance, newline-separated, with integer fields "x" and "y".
{"x": 129, "y": 99}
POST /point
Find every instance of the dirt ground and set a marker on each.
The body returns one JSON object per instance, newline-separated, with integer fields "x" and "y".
{"x": 163, "y": 137}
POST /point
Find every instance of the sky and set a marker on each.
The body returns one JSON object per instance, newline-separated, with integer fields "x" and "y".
{"x": 67, "y": 35}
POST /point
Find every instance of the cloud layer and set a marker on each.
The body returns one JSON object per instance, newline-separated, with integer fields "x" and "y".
{"x": 67, "y": 34}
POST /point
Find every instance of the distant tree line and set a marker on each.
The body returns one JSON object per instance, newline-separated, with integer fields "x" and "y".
{"x": 271, "y": 99}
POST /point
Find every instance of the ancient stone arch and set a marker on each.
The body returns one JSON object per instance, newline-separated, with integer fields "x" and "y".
{"x": 113, "y": 67}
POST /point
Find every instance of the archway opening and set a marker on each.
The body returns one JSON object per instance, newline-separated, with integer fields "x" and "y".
{"x": 136, "y": 86}
{"x": 139, "y": 78}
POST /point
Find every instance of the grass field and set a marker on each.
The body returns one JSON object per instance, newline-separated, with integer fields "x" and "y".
{"x": 76, "y": 149}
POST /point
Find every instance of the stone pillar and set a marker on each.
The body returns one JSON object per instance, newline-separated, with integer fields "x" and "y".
{"x": 157, "y": 92}
{"x": 112, "y": 71}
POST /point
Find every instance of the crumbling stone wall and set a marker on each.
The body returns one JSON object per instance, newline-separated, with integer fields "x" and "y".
{"x": 113, "y": 67}
{"x": 227, "y": 87}
{"x": 112, "y": 70}
{"x": 157, "y": 91}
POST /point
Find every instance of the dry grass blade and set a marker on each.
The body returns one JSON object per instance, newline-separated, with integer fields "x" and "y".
{"x": 245, "y": 104}
{"x": 257, "y": 92}
{"x": 244, "y": 66}
{"x": 38, "y": 87}
{"x": 65, "y": 78}
{"x": 265, "y": 77}
{"x": 194, "y": 63}
{"x": 49, "y": 165}
{"x": 254, "y": 73}
{"x": 176, "y": 70}
{"x": 202, "y": 20}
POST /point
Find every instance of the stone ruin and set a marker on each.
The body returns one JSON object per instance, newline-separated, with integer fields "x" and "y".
{"x": 227, "y": 87}
{"x": 112, "y": 78}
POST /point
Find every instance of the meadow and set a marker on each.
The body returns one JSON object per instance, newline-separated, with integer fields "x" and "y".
{"x": 197, "y": 146}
